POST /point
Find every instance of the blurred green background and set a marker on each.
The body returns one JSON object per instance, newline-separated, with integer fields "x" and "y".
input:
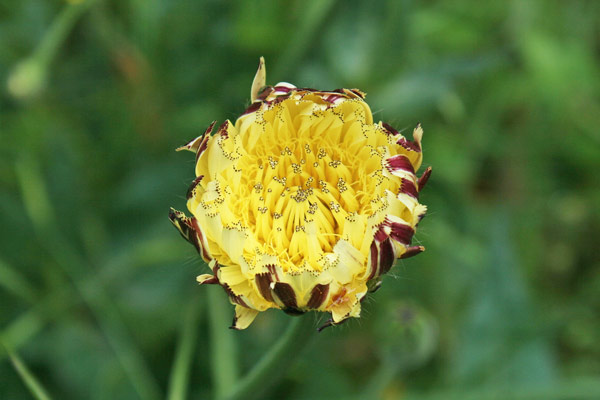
{"x": 98, "y": 291}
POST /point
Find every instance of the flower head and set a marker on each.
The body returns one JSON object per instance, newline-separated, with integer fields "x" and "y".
{"x": 302, "y": 203}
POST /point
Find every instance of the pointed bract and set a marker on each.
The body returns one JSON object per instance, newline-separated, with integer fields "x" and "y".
{"x": 260, "y": 80}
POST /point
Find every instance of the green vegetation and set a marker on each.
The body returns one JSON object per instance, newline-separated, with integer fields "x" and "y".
{"x": 98, "y": 298}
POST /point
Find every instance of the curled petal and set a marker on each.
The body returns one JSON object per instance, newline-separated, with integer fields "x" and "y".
{"x": 192, "y": 188}
{"x": 418, "y": 135}
{"x": 207, "y": 279}
{"x": 414, "y": 145}
{"x": 412, "y": 251}
{"x": 424, "y": 178}
{"x": 189, "y": 229}
{"x": 198, "y": 145}
{"x": 243, "y": 317}
{"x": 354, "y": 93}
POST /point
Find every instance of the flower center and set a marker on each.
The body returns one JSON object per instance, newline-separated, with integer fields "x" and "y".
{"x": 310, "y": 176}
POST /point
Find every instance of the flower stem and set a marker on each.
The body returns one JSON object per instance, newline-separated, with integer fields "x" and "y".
{"x": 29, "y": 76}
{"x": 275, "y": 363}
{"x": 45, "y": 226}
{"x": 180, "y": 374}
{"x": 223, "y": 344}
{"x": 60, "y": 29}
{"x": 35, "y": 387}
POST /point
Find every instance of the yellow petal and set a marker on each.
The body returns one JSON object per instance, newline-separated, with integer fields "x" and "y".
{"x": 206, "y": 278}
{"x": 243, "y": 317}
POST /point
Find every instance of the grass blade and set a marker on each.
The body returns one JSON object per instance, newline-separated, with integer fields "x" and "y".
{"x": 35, "y": 387}
{"x": 14, "y": 282}
{"x": 180, "y": 373}
{"x": 274, "y": 363}
{"x": 223, "y": 344}
{"x": 94, "y": 294}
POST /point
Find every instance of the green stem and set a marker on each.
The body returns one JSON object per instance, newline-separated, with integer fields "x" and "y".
{"x": 99, "y": 301}
{"x": 35, "y": 387}
{"x": 178, "y": 381}
{"x": 12, "y": 281}
{"x": 28, "y": 324}
{"x": 223, "y": 344}
{"x": 276, "y": 362}
{"x": 28, "y": 77}
{"x": 59, "y": 30}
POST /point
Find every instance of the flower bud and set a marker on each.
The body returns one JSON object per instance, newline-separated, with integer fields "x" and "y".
{"x": 303, "y": 203}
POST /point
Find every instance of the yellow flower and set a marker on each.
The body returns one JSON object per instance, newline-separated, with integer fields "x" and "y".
{"x": 303, "y": 203}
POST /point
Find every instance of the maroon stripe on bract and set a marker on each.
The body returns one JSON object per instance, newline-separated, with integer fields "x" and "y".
{"x": 318, "y": 296}
{"x": 387, "y": 256}
{"x": 223, "y": 130}
{"x": 234, "y": 298}
{"x": 211, "y": 281}
{"x": 202, "y": 147}
{"x": 374, "y": 260}
{"x": 286, "y": 294}
{"x": 273, "y": 270}
{"x": 200, "y": 240}
{"x": 407, "y": 186}
{"x": 389, "y": 128}
{"x": 215, "y": 269}
{"x": 401, "y": 233}
{"x": 424, "y": 178}
{"x": 412, "y": 251}
{"x": 195, "y": 183}
{"x": 280, "y": 98}
{"x": 380, "y": 234}
{"x": 283, "y": 89}
{"x": 253, "y": 107}
{"x": 409, "y": 145}
{"x": 192, "y": 144}
{"x": 210, "y": 128}
{"x": 332, "y": 98}
{"x": 204, "y": 143}
{"x": 263, "y": 282}
{"x": 185, "y": 228}
{"x": 358, "y": 93}
{"x": 310, "y": 90}
{"x": 174, "y": 215}
{"x": 398, "y": 162}
{"x": 264, "y": 92}
{"x": 196, "y": 144}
